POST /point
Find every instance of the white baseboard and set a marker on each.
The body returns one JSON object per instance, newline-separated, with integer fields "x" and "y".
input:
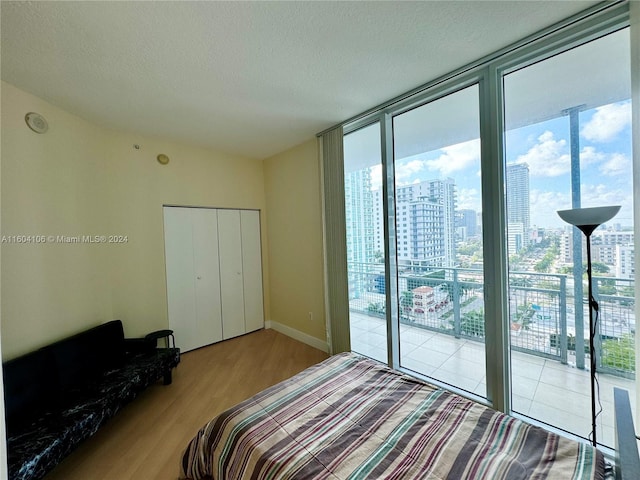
{"x": 297, "y": 335}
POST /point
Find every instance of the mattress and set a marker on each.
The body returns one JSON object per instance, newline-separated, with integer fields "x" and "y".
{"x": 350, "y": 417}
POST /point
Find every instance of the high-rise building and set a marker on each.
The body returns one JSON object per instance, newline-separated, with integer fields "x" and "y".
{"x": 467, "y": 219}
{"x": 378, "y": 223}
{"x": 518, "y": 211}
{"x": 604, "y": 246}
{"x": 625, "y": 262}
{"x": 604, "y": 237}
{"x": 425, "y": 223}
{"x": 360, "y": 224}
{"x": 515, "y": 237}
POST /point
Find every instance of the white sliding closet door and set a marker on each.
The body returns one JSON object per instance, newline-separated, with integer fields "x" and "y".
{"x": 181, "y": 295}
{"x": 207, "y": 283}
{"x": 193, "y": 283}
{"x": 252, "y": 270}
{"x": 214, "y": 274}
{"x": 232, "y": 288}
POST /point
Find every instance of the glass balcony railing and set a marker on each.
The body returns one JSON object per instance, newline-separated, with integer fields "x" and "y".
{"x": 542, "y": 308}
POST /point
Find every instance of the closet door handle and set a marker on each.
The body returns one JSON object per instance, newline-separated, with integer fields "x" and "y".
{"x": 199, "y": 278}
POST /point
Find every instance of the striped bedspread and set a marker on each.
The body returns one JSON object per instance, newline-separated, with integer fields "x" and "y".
{"x": 352, "y": 418}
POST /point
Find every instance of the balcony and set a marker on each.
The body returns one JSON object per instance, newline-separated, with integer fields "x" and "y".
{"x": 549, "y": 366}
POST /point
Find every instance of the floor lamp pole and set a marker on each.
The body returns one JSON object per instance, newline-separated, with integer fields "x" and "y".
{"x": 592, "y": 334}
{"x": 587, "y": 220}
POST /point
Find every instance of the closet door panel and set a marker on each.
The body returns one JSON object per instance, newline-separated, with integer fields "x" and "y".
{"x": 252, "y": 270}
{"x": 181, "y": 297}
{"x": 208, "y": 314}
{"x": 231, "y": 284}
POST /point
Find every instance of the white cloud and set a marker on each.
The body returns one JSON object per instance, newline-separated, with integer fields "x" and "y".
{"x": 452, "y": 159}
{"x": 618, "y": 164}
{"x": 547, "y": 158}
{"x": 376, "y": 177}
{"x": 544, "y": 205}
{"x": 469, "y": 198}
{"x": 545, "y": 199}
{"x": 550, "y": 158}
{"x": 590, "y": 155}
{"x": 456, "y": 157}
{"x": 601, "y": 194}
{"x": 607, "y": 122}
{"x": 405, "y": 171}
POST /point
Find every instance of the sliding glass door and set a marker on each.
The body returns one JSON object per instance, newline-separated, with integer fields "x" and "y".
{"x": 365, "y": 242}
{"x": 460, "y": 269}
{"x": 439, "y": 240}
{"x": 568, "y": 145}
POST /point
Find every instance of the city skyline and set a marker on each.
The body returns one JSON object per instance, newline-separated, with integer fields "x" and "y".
{"x": 605, "y": 156}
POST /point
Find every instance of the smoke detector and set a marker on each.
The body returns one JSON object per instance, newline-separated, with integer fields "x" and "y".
{"x": 36, "y": 122}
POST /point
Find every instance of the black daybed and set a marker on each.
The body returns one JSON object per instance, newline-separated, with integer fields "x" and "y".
{"x": 59, "y": 395}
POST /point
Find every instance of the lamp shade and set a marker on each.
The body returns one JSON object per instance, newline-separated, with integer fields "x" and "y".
{"x": 589, "y": 216}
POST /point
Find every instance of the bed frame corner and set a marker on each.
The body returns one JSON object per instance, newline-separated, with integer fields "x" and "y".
{"x": 627, "y": 458}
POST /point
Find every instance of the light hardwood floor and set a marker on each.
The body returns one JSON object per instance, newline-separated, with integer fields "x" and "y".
{"x": 144, "y": 441}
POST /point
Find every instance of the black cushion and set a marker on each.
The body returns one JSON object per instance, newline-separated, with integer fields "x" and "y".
{"x": 30, "y": 386}
{"x": 86, "y": 355}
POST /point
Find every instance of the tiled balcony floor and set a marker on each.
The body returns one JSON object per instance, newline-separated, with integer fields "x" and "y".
{"x": 543, "y": 389}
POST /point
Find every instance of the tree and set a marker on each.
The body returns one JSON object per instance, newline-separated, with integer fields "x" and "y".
{"x": 523, "y": 315}
{"x": 607, "y": 286}
{"x": 472, "y": 323}
{"x": 619, "y": 353}
{"x": 552, "y": 287}
{"x": 599, "y": 267}
{"x": 543, "y": 265}
{"x": 627, "y": 292}
{"x": 471, "y": 247}
{"x": 406, "y": 299}
{"x": 377, "y": 308}
{"x": 607, "y": 290}
{"x": 566, "y": 270}
{"x": 521, "y": 282}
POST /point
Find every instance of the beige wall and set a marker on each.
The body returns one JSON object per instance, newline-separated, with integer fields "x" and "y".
{"x": 52, "y": 184}
{"x": 81, "y": 179}
{"x": 292, "y": 185}
{"x": 139, "y": 186}
{"x": 3, "y": 435}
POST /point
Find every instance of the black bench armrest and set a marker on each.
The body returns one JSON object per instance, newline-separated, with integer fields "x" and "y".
{"x": 166, "y": 334}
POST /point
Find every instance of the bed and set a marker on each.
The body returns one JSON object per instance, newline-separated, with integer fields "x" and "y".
{"x": 350, "y": 417}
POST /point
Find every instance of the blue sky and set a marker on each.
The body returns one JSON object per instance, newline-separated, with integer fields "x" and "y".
{"x": 605, "y": 154}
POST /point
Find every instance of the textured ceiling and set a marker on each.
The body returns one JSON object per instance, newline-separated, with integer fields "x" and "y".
{"x": 248, "y": 78}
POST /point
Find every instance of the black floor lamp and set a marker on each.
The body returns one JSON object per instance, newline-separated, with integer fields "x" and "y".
{"x": 587, "y": 220}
